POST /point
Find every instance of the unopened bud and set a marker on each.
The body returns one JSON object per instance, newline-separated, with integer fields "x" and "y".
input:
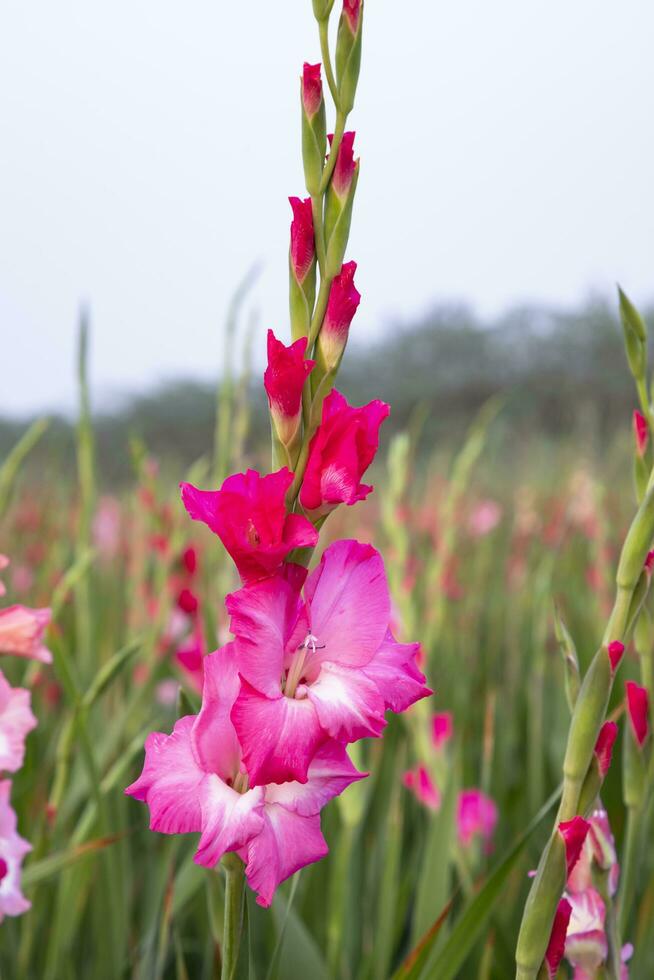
{"x": 339, "y": 201}
{"x": 283, "y": 380}
{"x": 556, "y": 945}
{"x": 314, "y": 127}
{"x": 638, "y": 710}
{"x": 302, "y": 267}
{"x": 344, "y": 298}
{"x": 348, "y": 53}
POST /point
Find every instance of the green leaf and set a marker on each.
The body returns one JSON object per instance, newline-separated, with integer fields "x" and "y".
{"x": 435, "y": 877}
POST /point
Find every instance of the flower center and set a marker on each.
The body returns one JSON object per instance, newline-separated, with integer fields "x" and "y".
{"x": 311, "y": 643}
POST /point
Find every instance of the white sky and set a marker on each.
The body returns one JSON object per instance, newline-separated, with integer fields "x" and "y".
{"x": 147, "y": 151}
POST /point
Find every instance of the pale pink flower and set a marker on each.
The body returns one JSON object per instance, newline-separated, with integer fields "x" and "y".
{"x": 586, "y": 946}
{"x": 106, "y": 527}
{"x": 599, "y": 849}
{"x": 12, "y": 851}
{"x": 21, "y": 632}
{"x": 16, "y": 720}
{"x": 484, "y": 518}
{"x": 193, "y": 782}
{"x": 325, "y": 667}
{"x": 476, "y": 815}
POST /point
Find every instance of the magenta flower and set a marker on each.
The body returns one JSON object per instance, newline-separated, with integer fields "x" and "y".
{"x": 442, "y": 728}
{"x": 604, "y": 746}
{"x": 423, "y": 787}
{"x": 16, "y": 720}
{"x": 12, "y": 851}
{"x": 574, "y": 834}
{"x": 249, "y": 516}
{"x": 615, "y": 650}
{"x": 344, "y": 299}
{"x": 638, "y": 711}
{"x": 21, "y": 632}
{"x": 341, "y": 451}
{"x": 303, "y": 248}
{"x": 345, "y": 165}
{"x": 476, "y": 814}
{"x": 311, "y": 89}
{"x": 325, "y": 667}
{"x": 284, "y": 380}
{"x": 193, "y": 782}
{"x": 556, "y": 945}
{"x": 641, "y": 432}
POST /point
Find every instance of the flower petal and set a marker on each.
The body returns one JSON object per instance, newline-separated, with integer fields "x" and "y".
{"x": 16, "y": 720}
{"x": 171, "y": 780}
{"x": 214, "y": 738}
{"x": 330, "y": 772}
{"x": 263, "y": 617}
{"x": 396, "y": 675}
{"x": 279, "y": 736}
{"x": 347, "y": 702}
{"x": 287, "y": 843}
{"x": 229, "y": 819}
{"x": 349, "y": 604}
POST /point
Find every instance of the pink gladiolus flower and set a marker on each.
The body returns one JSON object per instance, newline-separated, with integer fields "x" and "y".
{"x": 351, "y": 14}
{"x": 341, "y": 451}
{"x": 586, "y": 946}
{"x": 423, "y": 787}
{"x": 615, "y": 651}
{"x": 344, "y": 299}
{"x": 325, "y": 667}
{"x": 641, "y": 432}
{"x": 106, "y": 527}
{"x": 573, "y": 833}
{"x": 21, "y": 632}
{"x": 638, "y": 710}
{"x": 249, "y": 516}
{"x": 16, "y": 720}
{"x": 556, "y": 945}
{"x": 345, "y": 165}
{"x": 12, "y": 851}
{"x": 303, "y": 247}
{"x": 604, "y": 746}
{"x": 476, "y": 814}
{"x": 193, "y": 782}
{"x": 284, "y": 380}
{"x": 4, "y": 561}
{"x": 311, "y": 89}
{"x": 441, "y": 729}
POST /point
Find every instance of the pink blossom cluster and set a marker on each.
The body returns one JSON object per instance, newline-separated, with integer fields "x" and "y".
{"x": 580, "y": 932}
{"x": 21, "y": 635}
{"x": 476, "y": 812}
{"x": 312, "y": 664}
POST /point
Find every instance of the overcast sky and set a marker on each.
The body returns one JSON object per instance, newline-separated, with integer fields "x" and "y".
{"x": 148, "y": 150}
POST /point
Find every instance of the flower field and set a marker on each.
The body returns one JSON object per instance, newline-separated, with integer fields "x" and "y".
{"x": 321, "y": 709}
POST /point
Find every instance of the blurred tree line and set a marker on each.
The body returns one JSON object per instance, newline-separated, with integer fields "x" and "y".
{"x": 562, "y": 373}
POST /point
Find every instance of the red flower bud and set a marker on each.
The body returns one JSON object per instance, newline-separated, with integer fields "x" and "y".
{"x": 284, "y": 380}
{"x": 311, "y": 89}
{"x": 345, "y": 164}
{"x": 302, "y": 241}
{"x": 344, "y": 299}
{"x": 351, "y": 13}
{"x": 573, "y": 833}
{"x": 604, "y": 746}
{"x": 556, "y": 946}
{"x": 641, "y": 432}
{"x": 638, "y": 708}
{"x": 187, "y": 602}
{"x": 615, "y": 651}
{"x": 649, "y": 562}
{"x": 190, "y": 559}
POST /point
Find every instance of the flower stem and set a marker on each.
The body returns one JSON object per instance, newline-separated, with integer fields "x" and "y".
{"x": 233, "y": 921}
